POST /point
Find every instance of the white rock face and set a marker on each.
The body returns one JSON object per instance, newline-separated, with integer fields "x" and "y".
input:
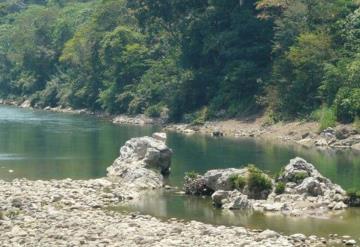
{"x": 311, "y": 183}
{"x": 142, "y": 163}
{"x": 220, "y": 179}
{"x": 161, "y": 136}
{"x": 26, "y": 104}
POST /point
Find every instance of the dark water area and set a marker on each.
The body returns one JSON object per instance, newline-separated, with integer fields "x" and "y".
{"x": 46, "y": 145}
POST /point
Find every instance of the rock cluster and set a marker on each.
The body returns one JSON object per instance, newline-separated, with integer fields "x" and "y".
{"x": 343, "y": 136}
{"x": 38, "y": 219}
{"x": 76, "y": 213}
{"x": 304, "y": 191}
{"x": 340, "y": 137}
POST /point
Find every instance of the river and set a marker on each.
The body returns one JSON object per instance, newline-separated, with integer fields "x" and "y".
{"x": 46, "y": 145}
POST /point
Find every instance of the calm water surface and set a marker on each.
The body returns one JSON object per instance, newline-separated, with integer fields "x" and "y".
{"x": 45, "y": 145}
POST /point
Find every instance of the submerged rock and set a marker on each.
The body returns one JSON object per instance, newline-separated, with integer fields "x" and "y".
{"x": 142, "y": 162}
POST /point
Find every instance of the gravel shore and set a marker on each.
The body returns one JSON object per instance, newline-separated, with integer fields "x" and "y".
{"x": 76, "y": 213}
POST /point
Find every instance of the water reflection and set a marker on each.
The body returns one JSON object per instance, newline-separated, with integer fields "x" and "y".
{"x": 45, "y": 145}
{"x": 171, "y": 205}
{"x": 201, "y": 153}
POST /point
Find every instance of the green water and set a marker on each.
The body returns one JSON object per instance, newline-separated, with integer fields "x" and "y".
{"x": 45, "y": 145}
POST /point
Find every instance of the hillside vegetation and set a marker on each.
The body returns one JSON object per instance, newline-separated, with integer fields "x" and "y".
{"x": 189, "y": 59}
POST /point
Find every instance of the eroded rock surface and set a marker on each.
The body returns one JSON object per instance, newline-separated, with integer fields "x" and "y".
{"x": 142, "y": 163}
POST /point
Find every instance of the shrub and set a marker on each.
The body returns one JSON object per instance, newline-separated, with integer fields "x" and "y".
{"x": 153, "y": 111}
{"x": 279, "y": 188}
{"x": 192, "y": 174}
{"x": 325, "y": 116}
{"x": 279, "y": 174}
{"x": 347, "y": 104}
{"x": 300, "y": 176}
{"x": 259, "y": 184}
{"x": 200, "y": 116}
{"x": 237, "y": 181}
{"x": 357, "y": 123}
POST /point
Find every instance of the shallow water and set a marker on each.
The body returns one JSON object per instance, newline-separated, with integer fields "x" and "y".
{"x": 45, "y": 145}
{"x": 170, "y": 205}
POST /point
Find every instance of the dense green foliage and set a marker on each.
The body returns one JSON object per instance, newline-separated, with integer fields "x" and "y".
{"x": 279, "y": 188}
{"x": 259, "y": 184}
{"x": 325, "y": 116}
{"x": 190, "y": 60}
{"x": 237, "y": 181}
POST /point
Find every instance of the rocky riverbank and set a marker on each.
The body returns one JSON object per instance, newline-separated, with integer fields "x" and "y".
{"x": 79, "y": 213}
{"x": 303, "y": 133}
{"x": 73, "y": 213}
{"x": 295, "y": 132}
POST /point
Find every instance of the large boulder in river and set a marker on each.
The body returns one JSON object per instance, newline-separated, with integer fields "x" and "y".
{"x": 142, "y": 162}
{"x": 301, "y": 177}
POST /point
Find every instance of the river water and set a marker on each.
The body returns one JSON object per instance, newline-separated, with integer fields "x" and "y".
{"x": 46, "y": 145}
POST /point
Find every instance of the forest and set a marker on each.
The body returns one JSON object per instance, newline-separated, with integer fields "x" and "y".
{"x": 189, "y": 60}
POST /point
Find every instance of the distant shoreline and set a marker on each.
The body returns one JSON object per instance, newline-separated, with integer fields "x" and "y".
{"x": 294, "y": 132}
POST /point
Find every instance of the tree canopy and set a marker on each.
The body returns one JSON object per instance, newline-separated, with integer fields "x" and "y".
{"x": 187, "y": 59}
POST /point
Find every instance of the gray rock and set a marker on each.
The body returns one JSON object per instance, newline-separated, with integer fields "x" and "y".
{"x": 233, "y": 200}
{"x": 220, "y": 179}
{"x": 295, "y": 167}
{"x": 350, "y": 242}
{"x": 217, "y": 133}
{"x": 196, "y": 186}
{"x": 298, "y": 237}
{"x": 310, "y": 186}
{"x": 161, "y": 136}
{"x": 328, "y": 133}
{"x": 17, "y": 203}
{"x": 274, "y": 207}
{"x": 26, "y": 104}
{"x": 267, "y": 234}
{"x": 142, "y": 162}
{"x": 218, "y": 197}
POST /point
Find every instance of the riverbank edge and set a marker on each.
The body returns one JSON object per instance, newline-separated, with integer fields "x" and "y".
{"x": 300, "y": 133}
{"x": 83, "y": 199}
{"x": 84, "y": 213}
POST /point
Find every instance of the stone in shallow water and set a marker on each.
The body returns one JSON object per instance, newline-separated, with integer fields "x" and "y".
{"x": 267, "y": 234}
{"x": 231, "y": 200}
{"x": 350, "y": 242}
{"x": 142, "y": 163}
